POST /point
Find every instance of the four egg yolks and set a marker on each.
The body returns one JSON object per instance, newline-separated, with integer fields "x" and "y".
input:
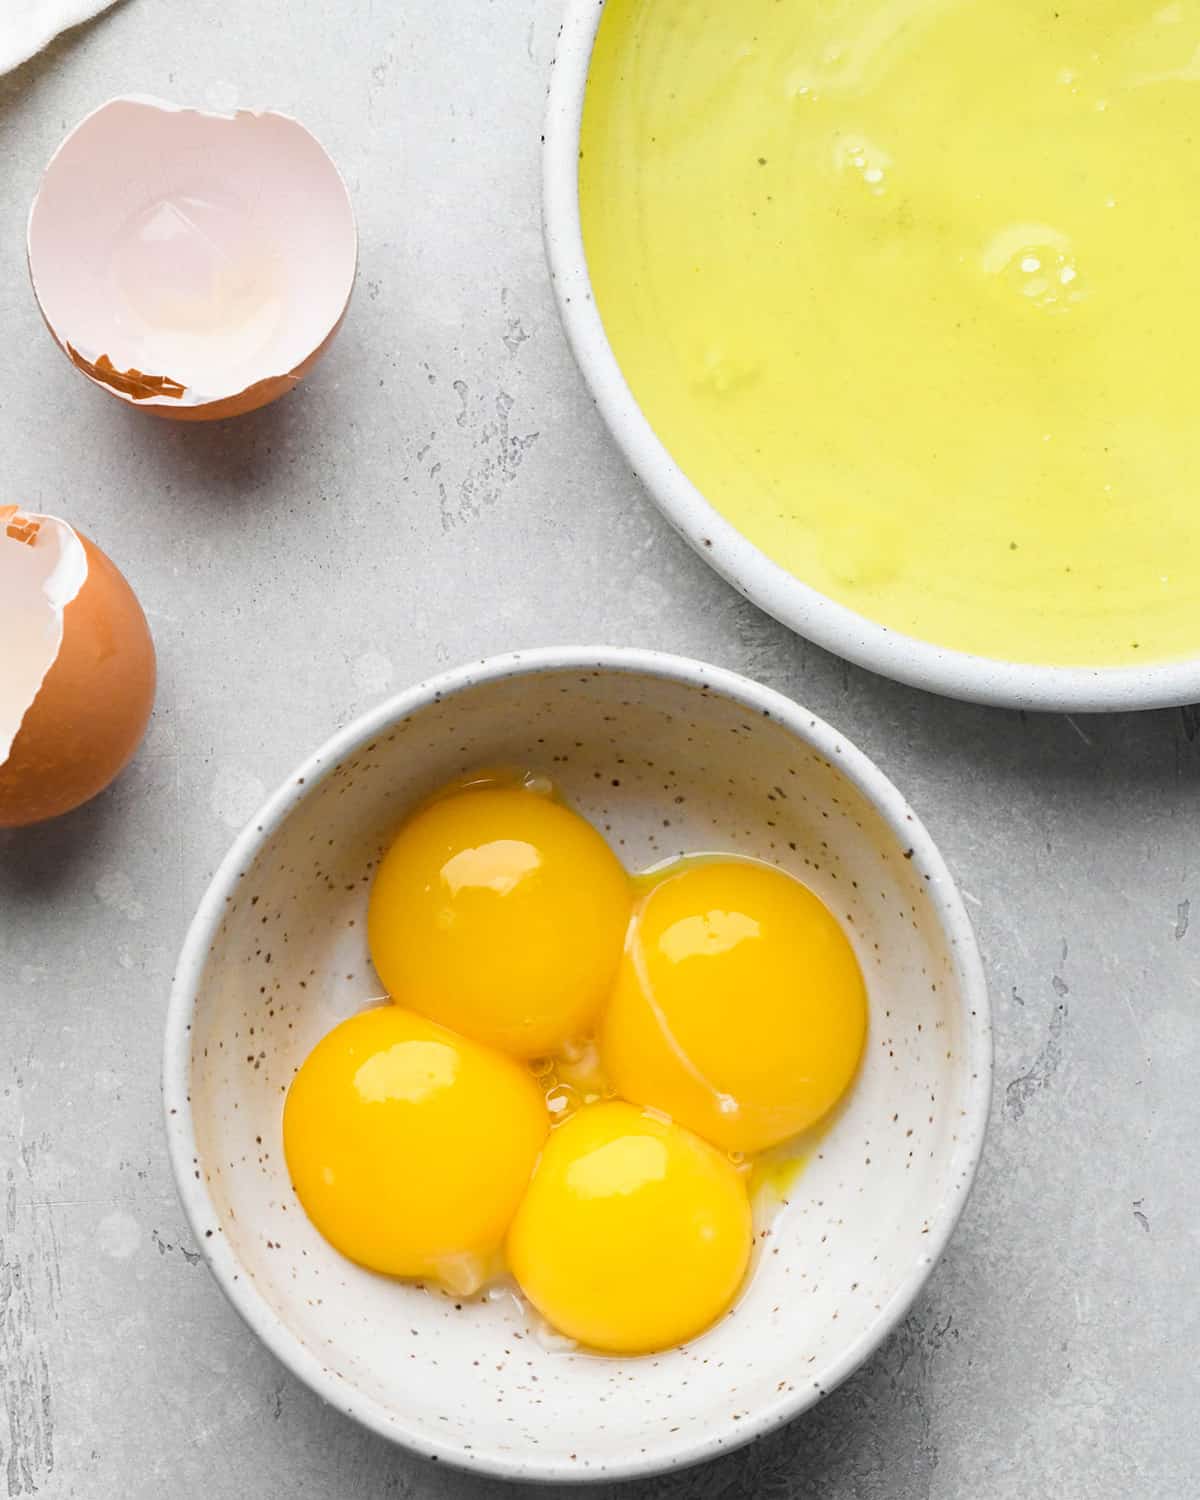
{"x": 501, "y": 913}
{"x": 419, "y": 1141}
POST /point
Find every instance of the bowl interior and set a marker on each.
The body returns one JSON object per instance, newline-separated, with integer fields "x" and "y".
{"x": 835, "y": 625}
{"x": 662, "y": 767}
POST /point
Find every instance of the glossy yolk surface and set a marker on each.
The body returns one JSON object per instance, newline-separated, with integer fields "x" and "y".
{"x": 409, "y": 1147}
{"x": 906, "y": 287}
{"x": 739, "y": 1007}
{"x": 634, "y": 1235}
{"x": 500, "y": 913}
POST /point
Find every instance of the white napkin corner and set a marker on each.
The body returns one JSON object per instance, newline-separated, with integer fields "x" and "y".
{"x": 26, "y": 26}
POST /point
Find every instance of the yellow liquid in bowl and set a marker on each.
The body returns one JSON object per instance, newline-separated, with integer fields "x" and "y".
{"x": 910, "y": 290}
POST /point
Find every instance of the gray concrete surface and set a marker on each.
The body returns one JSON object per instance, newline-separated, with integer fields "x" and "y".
{"x": 440, "y": 489}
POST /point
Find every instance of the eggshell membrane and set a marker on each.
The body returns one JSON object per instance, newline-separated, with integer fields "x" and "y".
{"x": 193, "y": 264}
{"x": 42, "y": 568}
{"x": 90, "y": 711}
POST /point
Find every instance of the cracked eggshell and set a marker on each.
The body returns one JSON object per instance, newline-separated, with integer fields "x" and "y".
{"x": 76, "y": 668}
{"x": 194, "y": 264}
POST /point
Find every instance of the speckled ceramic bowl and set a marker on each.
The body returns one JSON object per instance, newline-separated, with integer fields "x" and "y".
{"x": 923, "y": 664}
{"x": 665, "y": 756}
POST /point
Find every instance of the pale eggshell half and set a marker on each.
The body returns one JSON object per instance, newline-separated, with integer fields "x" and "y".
{"x": 192, "y": 263}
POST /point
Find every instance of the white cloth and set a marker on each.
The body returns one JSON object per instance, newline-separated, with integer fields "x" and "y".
{"x": 27, "y": 25}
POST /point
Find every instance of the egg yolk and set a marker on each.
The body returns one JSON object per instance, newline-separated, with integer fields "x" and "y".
{"x": 634, "y": 1234}
{"x": 409, "y": 1147}
{"x": 739, "y": 1008}
{"x": 501, "y": 913}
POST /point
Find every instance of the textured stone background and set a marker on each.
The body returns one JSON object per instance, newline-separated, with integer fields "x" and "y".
{"x": 442, "y": 489}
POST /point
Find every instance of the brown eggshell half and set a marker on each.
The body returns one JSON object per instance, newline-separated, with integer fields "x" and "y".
{"x": 91, "y": 711}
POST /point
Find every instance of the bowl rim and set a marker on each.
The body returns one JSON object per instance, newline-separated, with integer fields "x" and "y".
{"x": 976, "y": 1050}
{"x": 856, "y": 637}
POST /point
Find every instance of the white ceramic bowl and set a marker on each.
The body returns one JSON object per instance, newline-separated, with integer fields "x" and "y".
{"x": 277, "y": 955}
{"x": 805, "y": 610}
